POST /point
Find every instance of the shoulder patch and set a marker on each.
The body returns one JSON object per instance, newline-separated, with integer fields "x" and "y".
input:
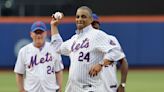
{"x": 112, "y": 42}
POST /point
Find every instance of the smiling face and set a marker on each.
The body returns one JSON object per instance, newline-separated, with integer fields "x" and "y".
{"x": 38, "y": 38}
{"x": 83, "y": 18}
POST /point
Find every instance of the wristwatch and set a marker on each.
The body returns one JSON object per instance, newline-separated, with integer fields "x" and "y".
{"x": 123, "y": 85}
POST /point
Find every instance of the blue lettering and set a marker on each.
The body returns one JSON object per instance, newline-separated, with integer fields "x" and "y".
{"x": 42, "y": 60}
{"x": 84, "y": 44}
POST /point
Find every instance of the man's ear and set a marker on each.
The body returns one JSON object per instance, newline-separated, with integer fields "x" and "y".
{"x": 31, "y": 35}
{"x": 91, "y": 19}
{"x": 45, "y": 33}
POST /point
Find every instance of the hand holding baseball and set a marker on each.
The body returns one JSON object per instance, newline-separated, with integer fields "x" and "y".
{"x": 56, "y": 18}
{"x": 58, "y": 15}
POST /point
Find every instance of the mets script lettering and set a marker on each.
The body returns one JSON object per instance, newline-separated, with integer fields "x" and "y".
{"x": 84, "y": 44}
{"x": 34, "y": 62}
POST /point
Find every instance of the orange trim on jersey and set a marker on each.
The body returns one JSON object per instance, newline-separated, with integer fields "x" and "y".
{"x": 72, "y": 19}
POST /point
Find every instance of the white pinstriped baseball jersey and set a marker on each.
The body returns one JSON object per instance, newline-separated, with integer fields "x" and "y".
{"x": 109, "y": 73}
{"x": 86, "y": 48}
{"x": 39, "y": 67}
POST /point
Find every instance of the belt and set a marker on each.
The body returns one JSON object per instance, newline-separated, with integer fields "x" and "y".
{"x": 89, "y": 85}
{"x": 113, "y": 86}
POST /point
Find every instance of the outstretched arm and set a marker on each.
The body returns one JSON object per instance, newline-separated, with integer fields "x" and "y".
{"x": 56, "y": 39}
{"x": 54, "y": 23}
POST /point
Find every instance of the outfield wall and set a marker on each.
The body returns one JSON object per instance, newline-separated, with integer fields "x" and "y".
{"x": 141, "y": 37}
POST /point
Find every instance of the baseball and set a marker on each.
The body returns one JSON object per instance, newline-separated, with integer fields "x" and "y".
{"x": 58, "y": 15}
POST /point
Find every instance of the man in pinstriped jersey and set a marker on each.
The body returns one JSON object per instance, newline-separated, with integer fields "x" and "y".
{"x": 38, "y": 67}
{"x": 109, "y": 72}
{"x": 89, "y": 50}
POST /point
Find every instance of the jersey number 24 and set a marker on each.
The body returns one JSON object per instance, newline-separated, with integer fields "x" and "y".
{"x": 83, "y": 56}
{"x": 50, "y": 70}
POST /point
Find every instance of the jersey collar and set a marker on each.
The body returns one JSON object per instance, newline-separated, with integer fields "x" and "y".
{"x": 40, "y": 47}
{"x": 84, "y": 30}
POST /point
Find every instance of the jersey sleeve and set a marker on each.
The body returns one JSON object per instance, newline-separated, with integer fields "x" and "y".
{"x": 102, "y": 42}
{"x": 60, "y": 46}
{"x": 116, "y": 53}
{"x": 56, "y": 41}
{"x": 115, "y": 41}
{"x": 64, "y": 48}
{"x": 109, "y": 46}
{"x": 58, "y": 63}
{"x": 20, "y": 65}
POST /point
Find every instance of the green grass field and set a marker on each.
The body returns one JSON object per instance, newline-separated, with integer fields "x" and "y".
{"x": 138, "y": 81}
